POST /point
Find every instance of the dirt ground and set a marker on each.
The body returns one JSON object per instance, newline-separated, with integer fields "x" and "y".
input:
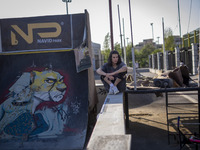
{"x": 148, "y": 124}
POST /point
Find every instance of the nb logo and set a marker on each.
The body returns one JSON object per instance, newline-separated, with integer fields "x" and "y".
{"x": 29, "y": 37}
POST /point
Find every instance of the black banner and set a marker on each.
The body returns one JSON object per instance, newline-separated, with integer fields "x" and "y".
{"x": 46, "y": 32}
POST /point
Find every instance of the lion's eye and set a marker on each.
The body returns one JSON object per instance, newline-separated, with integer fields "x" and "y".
{"x": 50, "y": 81}
{"x": 62, "y": 79}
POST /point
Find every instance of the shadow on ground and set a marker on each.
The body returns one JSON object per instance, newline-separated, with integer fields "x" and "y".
{"x": 148, "y": 137}
{"x": 139, "y": 100}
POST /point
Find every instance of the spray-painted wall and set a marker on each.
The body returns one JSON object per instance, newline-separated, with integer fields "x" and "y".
{"x": 44, "y": 95}
{"x": 42, "y": 99}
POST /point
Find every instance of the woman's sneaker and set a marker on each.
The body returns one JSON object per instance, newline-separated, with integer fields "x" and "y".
{"x": 111, "y": 92}
{"x": 115, "y": 90}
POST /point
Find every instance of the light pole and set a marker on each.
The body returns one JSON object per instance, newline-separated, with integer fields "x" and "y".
{"x": 127, "y": 40}
{"x": 67, "y": 1}
{"x": 132, "y": 49}
{"x": 111, "y": 25}
{"x": 164, "y": 54}
{"x": 152, "y": 31}
{"x": 158, "y": 39}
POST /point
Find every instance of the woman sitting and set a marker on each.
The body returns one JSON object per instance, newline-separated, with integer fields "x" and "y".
{"x": 113, "y": 74}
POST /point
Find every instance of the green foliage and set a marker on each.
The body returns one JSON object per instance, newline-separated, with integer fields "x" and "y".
{"x": 106, "y": 53}
{"x": 143, "y": 54}
{"x": 106, "y": 47}
{"x": 156, "y": 51}
{"x": 128, "y": 56}
{"x": 117, "y": 47}
{"x": 168, "y": 32}
{"x": 106, "y": 43}
{"x": 169, "y": 39}
{"x": 169, "y": 43}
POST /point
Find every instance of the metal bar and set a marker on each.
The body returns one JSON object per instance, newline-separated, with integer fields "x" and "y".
{"x": 124, "y": 42}
{"x": 67, "y": 7}
{"x": 182, "y": 113}
{"x": 184, "y": 94}
{"x": 166, "y": 90}
{"x": 126, "y": 109}
{"x": 182, "y": 103}
{"x": 132, "y": 49}
{"x": 199, "y": 107}
{"x": 166, "y": 100}
{"x": 162, "y": 90}
{"x": 164, "y": 54}
{"x": 111, "y": 25}
{"x": 120, "y": 33}
{"x": 179, "y": 19}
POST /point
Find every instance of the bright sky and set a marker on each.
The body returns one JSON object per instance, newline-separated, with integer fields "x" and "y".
{"x": 144, "y": 12}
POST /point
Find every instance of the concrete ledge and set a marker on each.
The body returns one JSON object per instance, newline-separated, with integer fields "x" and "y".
{"x": 110, "y": 142}
{"x": 111, "y": 116}
{"x": 109, "y": 130}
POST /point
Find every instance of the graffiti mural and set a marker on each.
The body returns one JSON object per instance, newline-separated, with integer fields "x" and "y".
{"x": 29, "y": 93}
{"x": 43, "y": 98}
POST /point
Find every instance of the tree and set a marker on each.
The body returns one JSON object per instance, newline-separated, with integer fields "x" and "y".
{"x": 129, "y": 55}
{"x": 106, "y": 47}
{"x": 118, "y": 48}
{"x": 169, "y": 39}
{"x": 157, "y": 50}
{"x": 142, "y": 58}
{"x": 106, "y": 43}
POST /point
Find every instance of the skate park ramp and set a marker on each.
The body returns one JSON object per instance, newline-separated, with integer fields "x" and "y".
{"x": 45, "y": 94}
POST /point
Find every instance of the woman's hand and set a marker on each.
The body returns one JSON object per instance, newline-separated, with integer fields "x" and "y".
{"x": 109, "y": 76}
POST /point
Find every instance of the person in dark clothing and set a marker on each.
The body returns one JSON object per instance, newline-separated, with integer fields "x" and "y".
{"x": 113, "y": 74}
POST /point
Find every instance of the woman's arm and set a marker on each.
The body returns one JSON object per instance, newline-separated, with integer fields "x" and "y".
{"x": 122, "y": 69}
{"x": 101, "y": 72}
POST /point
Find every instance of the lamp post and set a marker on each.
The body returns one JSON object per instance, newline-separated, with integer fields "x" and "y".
{"x": 111, "y": 25}
{"x": 132, "y": 49}
{"x": 127, "y": 40}
{"x": 152, "y": 31}
{"x": 158, "y": 39}
{"x": 67, "y": 1}
{"x": 164, "y": 54}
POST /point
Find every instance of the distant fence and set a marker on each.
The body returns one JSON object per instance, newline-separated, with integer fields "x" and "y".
{"x": 189, "y": 56}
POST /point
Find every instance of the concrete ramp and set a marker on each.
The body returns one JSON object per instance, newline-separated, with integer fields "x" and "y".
{"x": 43, "y": 101}
{"x": 45, "y": 94}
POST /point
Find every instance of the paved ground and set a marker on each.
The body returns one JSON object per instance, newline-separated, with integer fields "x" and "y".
{"x": 148, "y": 125}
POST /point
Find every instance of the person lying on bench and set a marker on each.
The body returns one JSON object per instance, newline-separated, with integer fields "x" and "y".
{"x": 113, "y": 74}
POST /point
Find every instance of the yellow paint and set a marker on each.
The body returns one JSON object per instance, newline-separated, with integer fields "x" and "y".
{"x": 34, "y": 52}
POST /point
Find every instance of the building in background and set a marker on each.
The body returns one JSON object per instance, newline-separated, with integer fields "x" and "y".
{"x": 146, "y": 42}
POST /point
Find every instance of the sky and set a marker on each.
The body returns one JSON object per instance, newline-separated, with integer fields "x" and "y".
{"x": 144, "y": 12}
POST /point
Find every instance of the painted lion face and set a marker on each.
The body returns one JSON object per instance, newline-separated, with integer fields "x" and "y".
{"x": 48, "y": 85}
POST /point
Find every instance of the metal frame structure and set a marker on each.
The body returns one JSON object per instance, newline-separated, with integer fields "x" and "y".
{"x": 166, "y": 91}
